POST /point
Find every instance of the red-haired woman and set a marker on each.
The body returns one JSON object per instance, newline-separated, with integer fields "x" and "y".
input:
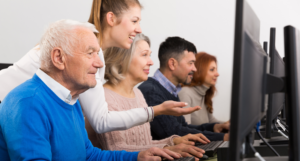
{"x": 201, "y": 90}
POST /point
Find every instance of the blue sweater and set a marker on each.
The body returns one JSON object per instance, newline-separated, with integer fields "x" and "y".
{"x": 164, "y": 126}
{"x": 36, "y": 125}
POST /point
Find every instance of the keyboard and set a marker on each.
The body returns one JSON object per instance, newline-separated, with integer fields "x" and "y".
{"x": 210, "y": 148}
{"x": 183, "y": 159}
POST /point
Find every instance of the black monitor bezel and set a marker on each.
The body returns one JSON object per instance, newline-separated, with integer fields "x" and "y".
{"x": 292, "y": 67}
{"x": 276, "y": 64}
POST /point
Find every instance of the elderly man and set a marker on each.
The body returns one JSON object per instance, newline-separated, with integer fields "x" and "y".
{"x": 41, "y": 119}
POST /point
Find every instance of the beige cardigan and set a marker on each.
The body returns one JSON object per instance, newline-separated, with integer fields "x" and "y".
{"x": 194, "y": 96}
{"x": 137, "y": 138}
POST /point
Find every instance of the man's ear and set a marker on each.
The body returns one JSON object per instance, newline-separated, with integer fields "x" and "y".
{"x": 172, "y": 63}
{"x": 111, "y": 18}
{"x": 58, "y": 58}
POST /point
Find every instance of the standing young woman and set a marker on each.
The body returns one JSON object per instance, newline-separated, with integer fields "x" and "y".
{"x": 201, "y": 90}
{"x": 117, "y": 22}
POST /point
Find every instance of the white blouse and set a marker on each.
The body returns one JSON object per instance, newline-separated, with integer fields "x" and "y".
{"x": 92, "y": 101}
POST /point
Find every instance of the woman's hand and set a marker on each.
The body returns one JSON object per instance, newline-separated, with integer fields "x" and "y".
{"x": 187, "y": 150}
{"x": 173, "y": 108}
{"x": 190, "y": 139}
{"x": 154, "y": 154}
{"x": 220, "y": 127}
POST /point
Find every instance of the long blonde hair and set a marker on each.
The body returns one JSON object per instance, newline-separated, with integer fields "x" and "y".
{"x": 101, "y": 7}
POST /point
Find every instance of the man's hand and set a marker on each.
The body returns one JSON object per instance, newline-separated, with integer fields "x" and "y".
{"x": 173, "y": 108}
{"x": 154, "y": 154}
{"x": 219, "y": 127}
{"x": 190, "y": 139}
{"x": 187, "y": 150}
{"x": 226, "y": 137}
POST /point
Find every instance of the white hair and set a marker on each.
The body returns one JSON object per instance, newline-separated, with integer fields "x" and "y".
{"x": 61, "y": 34}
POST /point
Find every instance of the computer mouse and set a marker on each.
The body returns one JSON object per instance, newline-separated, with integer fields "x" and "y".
{"x": 205, "y": 157}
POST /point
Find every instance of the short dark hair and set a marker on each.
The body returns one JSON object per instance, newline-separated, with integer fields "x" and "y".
{"x": 174, "y": 47}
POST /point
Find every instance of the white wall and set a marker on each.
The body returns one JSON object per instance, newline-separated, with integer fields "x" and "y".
{"x": 23, "y": 22}
{"x": 208, "y": 24}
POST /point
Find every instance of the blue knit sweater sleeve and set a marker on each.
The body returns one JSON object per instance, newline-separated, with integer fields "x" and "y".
{"x": 93, "y": 153}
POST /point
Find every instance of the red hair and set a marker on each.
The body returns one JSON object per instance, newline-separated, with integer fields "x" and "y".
{"x": 202, "y": 64}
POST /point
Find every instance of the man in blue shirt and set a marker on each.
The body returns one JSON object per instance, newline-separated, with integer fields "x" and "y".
{"x": 42, "y": 119}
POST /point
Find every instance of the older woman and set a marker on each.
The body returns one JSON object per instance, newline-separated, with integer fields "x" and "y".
{"x": 124, "y": 70}
{"x": 201, "y": 90}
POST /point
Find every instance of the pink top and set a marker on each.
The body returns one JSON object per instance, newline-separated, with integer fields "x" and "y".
{"x": 137, "y": 138}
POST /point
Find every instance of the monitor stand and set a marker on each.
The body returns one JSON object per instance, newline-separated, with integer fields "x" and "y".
{"x": 277, "y": 140}
{"x": 263, "y": 150}
{"x": 284, "y": 158}
{"x": 263, "y": 133}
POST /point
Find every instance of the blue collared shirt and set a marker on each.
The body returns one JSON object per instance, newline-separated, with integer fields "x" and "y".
{"x": 166, "y": 83}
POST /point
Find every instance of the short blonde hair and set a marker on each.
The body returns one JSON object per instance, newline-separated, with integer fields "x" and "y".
{"x": 117, "y": 60}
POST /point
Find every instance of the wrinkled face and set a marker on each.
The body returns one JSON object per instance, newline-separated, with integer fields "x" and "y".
{"x": 212, "y": 74}
{"x": 80, "y": 69}
{"x": 140, "y": 64}
{"x": 124, "y": 32}
{"x": 186, "y": 68}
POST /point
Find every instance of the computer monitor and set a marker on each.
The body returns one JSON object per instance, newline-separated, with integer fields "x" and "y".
{"x": 292, "y": 66}
{"x": 4, "y": 65}
{"x": 276, "y": 100}
{"x": 249, "y": 76}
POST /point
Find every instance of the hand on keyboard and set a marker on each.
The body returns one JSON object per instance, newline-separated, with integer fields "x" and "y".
{"x": 220, "y": 127}
{"x": 187, "y": 150}
{"x": 156, "y": 154}
{"x": 211, "y": 148}
{"x": 189, "y": 139}
{"x": 184, "y": 159}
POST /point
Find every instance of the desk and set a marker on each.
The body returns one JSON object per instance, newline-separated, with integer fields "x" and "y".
{"x": 215, "y": 158}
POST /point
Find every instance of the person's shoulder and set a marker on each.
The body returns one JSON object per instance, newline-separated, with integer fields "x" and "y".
{"x": 26, "y": 90}
{"x": 138, "y": 91}
{"x": 149, "y": 85}
{"x": 25, "y": 99}
{"x": 187, "y": 91}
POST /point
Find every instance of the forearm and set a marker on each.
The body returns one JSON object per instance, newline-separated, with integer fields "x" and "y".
{"x": 96, "y": 111}
{"x": 98, "y": 154}
{"x": 167, "y": 141}
{"x": 93, "y": 153}
{"x": 204, "y": 127}
{"x": 165, "y": 126}
{"x": 133, "y": 148}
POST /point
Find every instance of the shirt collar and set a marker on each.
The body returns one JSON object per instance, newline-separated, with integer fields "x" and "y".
{"x": 166, "y": 83}
{"x": 62, "y": 92}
